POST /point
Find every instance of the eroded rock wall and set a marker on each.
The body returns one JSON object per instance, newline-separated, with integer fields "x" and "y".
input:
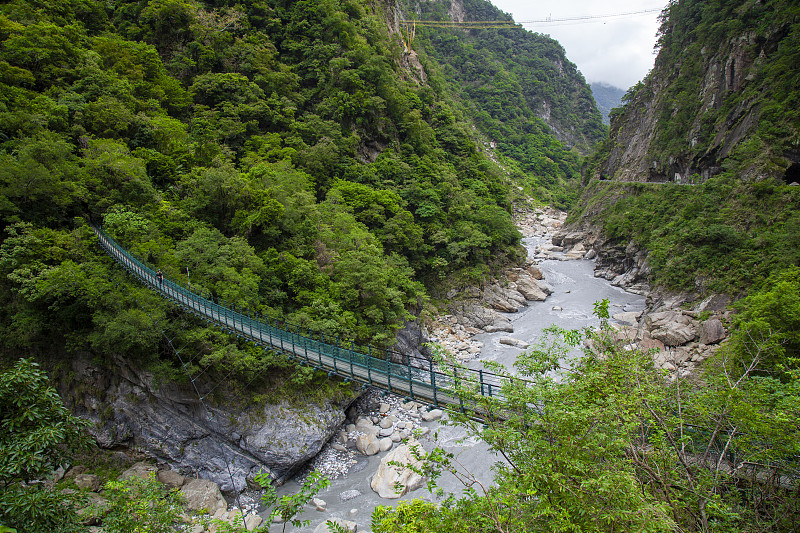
{"x": 223, "y": 439}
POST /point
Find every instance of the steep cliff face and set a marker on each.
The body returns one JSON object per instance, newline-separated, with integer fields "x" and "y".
{"x": 720, "y": 111}
{"x": 225, "y": 439}
{"x": 716, "y": 92}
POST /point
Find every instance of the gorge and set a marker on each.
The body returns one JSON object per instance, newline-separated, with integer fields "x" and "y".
{"x": 331, "y": 165}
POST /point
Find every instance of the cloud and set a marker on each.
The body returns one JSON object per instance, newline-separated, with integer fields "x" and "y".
{"x": 617, "y": 50}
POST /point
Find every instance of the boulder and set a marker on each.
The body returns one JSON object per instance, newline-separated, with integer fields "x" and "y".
{"x": 510, "y": 341}
{"x": 203, "y": 494}
{"x": 349, "y": 495}
{"x": 252, "y": 521}
{"x": 544, "y": 287}
{"x": 392, "y": 481}
{"x": 433, "y": 414}
{"x": 385, "y": 444}
{"x": 629, "y": 318}
{"x": 712, "y": 331}
{"x": 368, "y": 444}
{"x": 171, "y": 478}
{"x": 477, "y": 316}
{"x": 349, "y": 526}
{"x": 674, "y": 334}
{"x": 535, "y": 272}
{"x": 366, "y": 426}
{"x": 503, "y": 325}
{"x": 140, "y": 469}
{"x": 319, "y": 504}
{"x": 648, "y": 343}
{"x": 88, "y": 482}
{"x": 531, "y": 290}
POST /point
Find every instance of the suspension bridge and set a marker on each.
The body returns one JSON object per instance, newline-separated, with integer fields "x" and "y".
{"x": 417, "y": 378}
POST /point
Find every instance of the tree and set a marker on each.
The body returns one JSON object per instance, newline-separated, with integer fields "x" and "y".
{"x": 603, "y": 441}
{"x": 37, "y": 434}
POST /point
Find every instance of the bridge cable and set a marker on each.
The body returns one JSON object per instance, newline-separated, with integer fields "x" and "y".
{"x": 208, "y": 413}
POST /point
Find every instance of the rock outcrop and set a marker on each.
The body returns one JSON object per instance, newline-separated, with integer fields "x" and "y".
{"x": 168, "y": 423}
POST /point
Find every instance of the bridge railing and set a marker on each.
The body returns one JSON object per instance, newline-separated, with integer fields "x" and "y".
{"x": 417, "y": 377}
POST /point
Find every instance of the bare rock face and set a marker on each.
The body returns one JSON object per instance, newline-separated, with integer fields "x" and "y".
{"x": 411, "y": 340}
{"x": 477, "y": 316}
{"x": 392, "y": 481}
{"x": 169, "y": 424}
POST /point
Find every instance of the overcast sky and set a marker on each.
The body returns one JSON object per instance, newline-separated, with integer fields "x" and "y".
{"x": 614, "y": 50}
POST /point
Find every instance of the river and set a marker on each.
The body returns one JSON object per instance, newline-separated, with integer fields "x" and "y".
{"x": 575, "y": 289}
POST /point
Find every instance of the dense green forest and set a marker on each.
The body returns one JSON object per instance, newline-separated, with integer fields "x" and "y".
{"x": 278, "y": 150}
{"x": 521, "y": 92}
{"x": 283, "y": 157}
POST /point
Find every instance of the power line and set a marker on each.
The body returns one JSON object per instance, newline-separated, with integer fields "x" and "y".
{"x": 489, "y": 24}
{"x": 589, "y": 17}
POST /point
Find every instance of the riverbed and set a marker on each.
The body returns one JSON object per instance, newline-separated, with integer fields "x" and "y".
{"x": 571, "y": 305}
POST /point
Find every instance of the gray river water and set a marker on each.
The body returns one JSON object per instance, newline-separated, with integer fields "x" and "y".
{"x": 575, "y": 289}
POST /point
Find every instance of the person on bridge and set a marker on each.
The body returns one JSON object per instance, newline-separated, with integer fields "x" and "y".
{"x": 160, "y": 276}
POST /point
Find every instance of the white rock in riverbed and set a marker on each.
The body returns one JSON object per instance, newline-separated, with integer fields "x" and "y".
{"x": 392, "y": 481}
{"x": 368, "y": 444}
{"x": 510, "y": 341}
{"x": 319, "y": 504}
{"x": 433, "y": 414}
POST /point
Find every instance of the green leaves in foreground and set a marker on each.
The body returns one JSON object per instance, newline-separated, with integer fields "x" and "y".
{"x": 37, "y": 434}
{"x": 593, "y": 438}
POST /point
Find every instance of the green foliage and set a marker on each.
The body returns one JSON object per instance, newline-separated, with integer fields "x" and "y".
{"x": 502, "y": 80}
{"x": 281, "y": 152}
{"x": 286, "y": 508}
{"x": 723, "y": 235}
{"x": 768, "y": 324}
{"x": 137, "y": 505}
{"x": 37, "y": 434}
{"x": 603, "y": 442}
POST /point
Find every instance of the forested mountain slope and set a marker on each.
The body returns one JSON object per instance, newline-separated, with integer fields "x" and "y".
{"x": 285, "y": 157}
{"x": 716, "y": 125}
{"x": 518, "y": 87}
{"x": 607, "y": 97}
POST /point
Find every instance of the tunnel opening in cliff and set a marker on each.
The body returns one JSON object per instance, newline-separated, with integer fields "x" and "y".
{"x": 792, "y": 174}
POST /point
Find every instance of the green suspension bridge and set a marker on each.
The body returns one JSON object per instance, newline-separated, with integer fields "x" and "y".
{"x": 417, "y": 378}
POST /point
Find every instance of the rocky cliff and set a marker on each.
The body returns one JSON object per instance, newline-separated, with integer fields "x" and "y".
{"x": 509, "y": 95}
{"x": 224, "y": 438}
{"x": 716, "y": 84}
